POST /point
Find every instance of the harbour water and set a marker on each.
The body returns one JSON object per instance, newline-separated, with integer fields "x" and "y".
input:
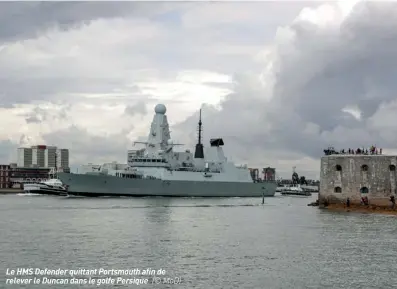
{"x": 208, "y": 243}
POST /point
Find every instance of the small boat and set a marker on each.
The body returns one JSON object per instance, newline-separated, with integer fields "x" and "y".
{"x": 50, "y": 187}
{"x": 294, "y": 190}
{"x": 298, "y": 187}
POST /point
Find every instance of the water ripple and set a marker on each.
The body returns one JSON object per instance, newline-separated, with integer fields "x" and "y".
{"x": 209, "y": 243}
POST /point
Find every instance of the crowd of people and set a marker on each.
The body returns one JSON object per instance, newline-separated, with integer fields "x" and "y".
{"x": 373, "y": 150}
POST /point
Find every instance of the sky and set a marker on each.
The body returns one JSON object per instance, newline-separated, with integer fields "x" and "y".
{"x": 279, "y": 81}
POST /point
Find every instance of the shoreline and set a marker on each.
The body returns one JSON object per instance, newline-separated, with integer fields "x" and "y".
{"x": 10, "y": 191}
{"x": 370, "y": 209}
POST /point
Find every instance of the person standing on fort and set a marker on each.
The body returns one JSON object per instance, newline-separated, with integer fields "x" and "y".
{"x": 393, "y": 202}
{"x": 364, "y": 201}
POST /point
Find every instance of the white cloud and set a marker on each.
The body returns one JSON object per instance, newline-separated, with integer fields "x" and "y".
{"x": 353, "y": 111}
{"x": 320, "y": 67}
{"x": 280, "y": 81}
{"x": 86, "y": 52}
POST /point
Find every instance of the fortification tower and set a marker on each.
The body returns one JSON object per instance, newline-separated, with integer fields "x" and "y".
{"x": 355, "y": 176}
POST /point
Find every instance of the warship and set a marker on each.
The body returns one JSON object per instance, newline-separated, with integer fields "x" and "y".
{"x": 158, "y": 170}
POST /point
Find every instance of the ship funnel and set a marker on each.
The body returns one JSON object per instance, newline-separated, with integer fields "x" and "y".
{"x": 199, "y": 152}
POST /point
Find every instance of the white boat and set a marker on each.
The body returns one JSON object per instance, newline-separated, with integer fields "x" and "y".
{"x": 293, "y": 189}
{"x": 49, "y": 187}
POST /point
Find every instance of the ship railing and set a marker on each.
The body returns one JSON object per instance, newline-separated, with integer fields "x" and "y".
{"x": 241, "y": 167}
{"x": 190, "y": 169}
{"x": 151, "y": 178}
{"x": 148, "y": 164}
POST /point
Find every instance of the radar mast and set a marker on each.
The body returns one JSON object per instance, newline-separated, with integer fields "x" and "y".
{"x": 199, "y": 152}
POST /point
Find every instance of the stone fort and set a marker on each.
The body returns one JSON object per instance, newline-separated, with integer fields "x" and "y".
{"x": 356, "y": 176}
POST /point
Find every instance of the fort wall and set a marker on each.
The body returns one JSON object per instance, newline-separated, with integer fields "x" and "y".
{"x": 357, "y": 176}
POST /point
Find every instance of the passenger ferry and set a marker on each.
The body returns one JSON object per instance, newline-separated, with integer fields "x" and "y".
{"x": 49, "y": 187}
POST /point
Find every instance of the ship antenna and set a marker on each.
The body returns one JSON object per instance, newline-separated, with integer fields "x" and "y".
{"x": 199, "y": 129}
{"x": 199, "y": 152}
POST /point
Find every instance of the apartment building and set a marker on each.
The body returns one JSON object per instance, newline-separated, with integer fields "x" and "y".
{"x": 62, "y": 159}
{"x": 42, "y": 156}
{"x": 38, "y": 153}
{"x": 24, "y": 157}
{"x": 50, "y": 157}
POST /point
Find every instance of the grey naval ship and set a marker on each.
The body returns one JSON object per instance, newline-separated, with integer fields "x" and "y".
{"x": 158, "y": 170}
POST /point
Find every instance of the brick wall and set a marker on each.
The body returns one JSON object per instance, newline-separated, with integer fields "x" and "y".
{"x": 4, "y": 176}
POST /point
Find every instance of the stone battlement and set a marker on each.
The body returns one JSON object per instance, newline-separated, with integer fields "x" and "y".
{"x": 345, "y": 176}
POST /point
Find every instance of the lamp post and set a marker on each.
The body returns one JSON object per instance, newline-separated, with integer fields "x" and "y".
{"x": 56, "y": 165}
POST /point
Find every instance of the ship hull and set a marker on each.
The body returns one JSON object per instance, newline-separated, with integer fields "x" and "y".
{"x": 48, "y": 192}
{"x": 292, "y": 193}
{"x": 105, "y": 185}
{"x": 44, "y": 191}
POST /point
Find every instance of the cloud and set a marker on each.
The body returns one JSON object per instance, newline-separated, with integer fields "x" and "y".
{"x": 319, "y": 67}
{"x": 19, "y": 20}
{"x": 138, "y": 108}
{"x": 39, "y": 114}
{"x": 7, "y": 151}
{"x": 60, "y": 64}
{"x": 84, "y": 147}
{"x": 279, "y": 81}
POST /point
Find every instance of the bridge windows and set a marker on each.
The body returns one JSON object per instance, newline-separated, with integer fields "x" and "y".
{"x": 338, "y": 168}
{"x": 338, "y": 190}
{"x": 364, "y": 190}
{"x": 392, "y": 168}
{"x": 364, "y": 168}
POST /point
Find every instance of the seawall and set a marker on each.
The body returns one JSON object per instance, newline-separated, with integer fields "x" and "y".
{"x": 362, "y": 209}
{"x": 10, "y": 191}
{"x": 357, "y": 176}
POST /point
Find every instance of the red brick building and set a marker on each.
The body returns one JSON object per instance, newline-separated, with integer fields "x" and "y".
{"x": 10, "y": 175}
{"x": 4, "y": 176}
{"x": 269, "y": 174}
